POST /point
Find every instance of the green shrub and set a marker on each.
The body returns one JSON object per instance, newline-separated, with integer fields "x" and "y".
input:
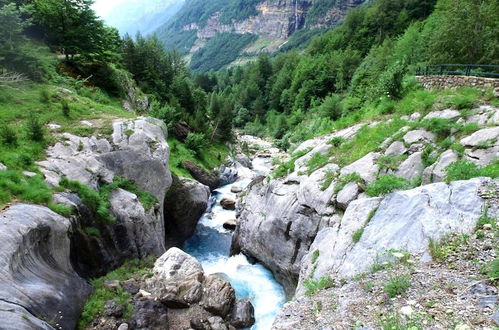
{"x": 336, "y": 141}
{"x": 440, "y": 126}
{"x": 289, "y": 166}
{"x": 8, "y": 136}
{"x": 92, "y": 231}
{"x": 390, "y": 162}
{"x": 397, "y": 286}
{"x": 196, "y": 142}
{"x": 386, "y": 184}
{"x": 465, "y": 170}
{"x": 34, "y": 128}
{"x": 321, "y": 284}
{"x": 65, "y": 109}
{"x": 315, "y": 256}
{"x": 45, "y": 96}
{"x": 491, "y": 270}
{"x": 437, "y": 250}
{"x": 28, "y": 189}
{"x": 428, "y": 155}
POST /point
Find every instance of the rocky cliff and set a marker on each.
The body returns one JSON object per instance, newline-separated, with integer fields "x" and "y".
{"x": 47, "y": 257}
{"x": 285, "y": 221}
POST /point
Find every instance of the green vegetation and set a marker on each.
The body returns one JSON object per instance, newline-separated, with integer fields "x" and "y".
{"x": 289, "y": 166}
{"x": 390, "y": 162}
{"x": 397, "y": 286}
{"x": 328, "y": 179}
{"x": 220, "y": 51}
{"x": 317, "y": 161}
{"x": 315, "y": 256}
{"x": 465, "y": 170}
{"x": 321, "y": 284}
{"x": 491, "y": 270}
{"x": 98, "y": 202}
{"x": 386, "y": 184}
{"x": 357, "y": 235}
{"x": 346, "y": 179}
{"x": 95, "y": 305}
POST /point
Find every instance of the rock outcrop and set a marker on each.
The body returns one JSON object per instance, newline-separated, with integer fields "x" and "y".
{"x": 282, "y": 219}
{"x": 37, "y": 279}
{"x": 403, "y": 220}
{"x": 185, "y": 202}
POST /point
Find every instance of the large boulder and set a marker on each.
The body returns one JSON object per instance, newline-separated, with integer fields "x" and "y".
{"x": 37, "y": 280}
{"x": 279, "y": 221}
{"x": 366, "y": 167}
{"x": 403, "y": 220}
{"x": 242, "y": 314}
{"x": 482, "y": 136}
{"x": 208, "y": 179}
{"x": 185, "y": 202}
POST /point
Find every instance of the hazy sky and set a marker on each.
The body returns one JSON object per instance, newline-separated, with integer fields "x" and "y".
{"x": 103, "y": 7}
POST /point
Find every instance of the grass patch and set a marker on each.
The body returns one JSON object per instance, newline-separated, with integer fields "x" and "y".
{"x": 323, "y": 283}
{"x": 397, "y": 286}
{"x": 95, "y": 305}
{"x": 357, "y": 235}
{"x": 346, "y": 179}
{"x": 328, "y": 179}
{"x": 465, "y": 170}
{"x": 98, "y": 202}
{"x": 368, "y": 139}
{"x": 315, "y": 256}
{"x": 289, "y": 166}
{"x": 386, "y": 184}
{"x": 390, "y": 162}
{"x": 210, "y": 157}
{"x": 491, "y": 270}
{"x": 317, "y": 161}
{"x": 92, "y": 231}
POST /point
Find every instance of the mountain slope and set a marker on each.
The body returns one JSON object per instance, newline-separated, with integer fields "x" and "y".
{"x": 142, "y": 16}
{"x": 273, "y": 21}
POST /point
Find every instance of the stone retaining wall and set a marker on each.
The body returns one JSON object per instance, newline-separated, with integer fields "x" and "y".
{"x": 441, "y": 81}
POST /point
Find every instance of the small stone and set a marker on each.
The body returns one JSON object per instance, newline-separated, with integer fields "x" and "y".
{"x": 3, "y": 167}
{"x": 230, "y": 224}
{"x": 123, "y": 326}
{"x": 112, "y": 284}
{"x": 398, "y": 255}
{"x": 236, "y": 189}
{"x": 228, "y": 203}
{"x": 462, "y": 327}
{"x": 144, "y": 293}
{"x": 30, "y": 174}
{"x": 407, "y": 311}
{"x": 54, "y": 127}
{"x": 449, "y": 311}
{"x": 487, "y": 226}
{"x": 86, "y": 123}
{"x": 113, "y": 309}
{"x": 412, "y": 302}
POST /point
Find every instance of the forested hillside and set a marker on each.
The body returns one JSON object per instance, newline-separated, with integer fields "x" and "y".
{"x": 363, "y": 68}
{"x": 199, "y": 26}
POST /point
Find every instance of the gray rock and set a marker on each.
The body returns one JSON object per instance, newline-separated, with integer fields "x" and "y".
{"x": 244, "y": 160}
{"x": 481, "y": 136}
{"x": 112, "y": 284}
{"x": 411, "y": 168}
{"x": 230, "y": 224}
{"x": 218, "y": 296}
{"x": 228, "y": 203}
{"x": 54, "y": 127}
{"x": 446, "y": 158}
{"x": 217, "y": 323}
{"x": 29, "y": 174}
{"x": 397, "y": 148}
{"x": 176, "y": 265}
{"x": 123, "y": 326}
{"x": 236, "y": 189}
{"x": 444, "y": 114}
{"x": 419, "y": 136}
{"x": 366, "y": 167}
{"x": 279, "y": 221}
{"x": 149, "y": 315}
{"x": 242, "y": 314}
{"x": 228, "y": 175}
{"x": 415, "y": 116}
{"x": 184, "y": 203}
{"x": 112, "y": 308}
{"x": 482, "y": 157}
{"x": 201, "y": 175}
{"x": 348, "y": 194}
{"x": 36, "y": 259}
{"x": 3, "y": 167}
{"x": 495, "y": 317}
{"x": 172, "y": 301}
{"x": 405, "y": 220}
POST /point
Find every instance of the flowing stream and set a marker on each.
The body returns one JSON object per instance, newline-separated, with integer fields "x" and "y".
{"x": 211, "y": 245}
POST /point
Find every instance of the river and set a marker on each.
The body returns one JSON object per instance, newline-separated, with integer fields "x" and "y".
{"x": 211, "y": 245}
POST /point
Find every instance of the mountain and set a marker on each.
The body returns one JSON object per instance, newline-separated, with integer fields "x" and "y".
{"x": 145, "y": 16}
{"x": 220, "y": 32}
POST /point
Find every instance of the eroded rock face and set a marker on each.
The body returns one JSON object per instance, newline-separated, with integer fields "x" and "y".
{"x": 408, "y": 218}
{"x": 201, "y": 175}
{"x": 37, "y": 278}
{"x": 185, "y": 202}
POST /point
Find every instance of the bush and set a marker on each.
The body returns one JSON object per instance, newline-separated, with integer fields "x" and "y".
{"x": 386, "y": 184}
{"x": 491, "y": 270}
{"x": 346, "y": 179}
{"x": 196, "y": 142}
{"x": 34, "y": 128}
{"x": 45, "y": 96}
{"x": 397, "y": 286}
{"x": 328, "y": 179}
{"x": 8, "y": 136}
{"x": 65, "y": 108}
{"x": 357, "y": 235}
